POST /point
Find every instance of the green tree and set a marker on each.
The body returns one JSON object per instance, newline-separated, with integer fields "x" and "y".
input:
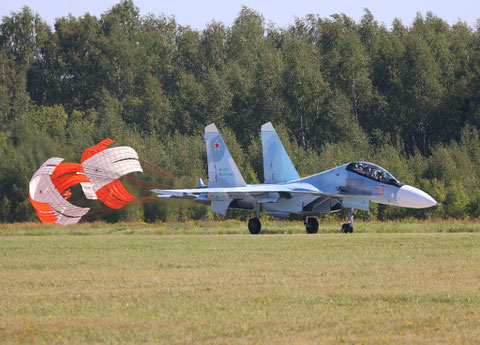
{"x": 22, "y": 36}
{"x": 189, "y": 107}
{"x": 306, "y": 93}
{"x": 49, "y": 120}
{"x": 14, "y": 100}
{"x": 79, "y": 75}
{"x": 345, "y": 61}
{"x": 246, "y": 37}
{"x": 212, "y": 47}
{"x": 151, "y": 112}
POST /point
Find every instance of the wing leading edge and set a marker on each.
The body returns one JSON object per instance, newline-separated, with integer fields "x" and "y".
{"x": 305, "y": 188}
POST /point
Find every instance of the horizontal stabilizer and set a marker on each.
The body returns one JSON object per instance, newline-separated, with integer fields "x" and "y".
{"x": 277, "y": 165}
{"x": 220, "y": 207}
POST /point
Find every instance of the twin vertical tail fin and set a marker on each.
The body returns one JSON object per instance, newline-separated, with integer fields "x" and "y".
{"x": 277, "y": 165}
{"x": 222, "y": 170}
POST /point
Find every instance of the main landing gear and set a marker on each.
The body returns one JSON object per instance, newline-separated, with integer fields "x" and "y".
{"x": 254, "y": 226}
{"x": 311, "y": 224}
{"x": 348, "y": 227}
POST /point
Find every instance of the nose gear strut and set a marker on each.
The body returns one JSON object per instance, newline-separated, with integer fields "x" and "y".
{"x": 348, "y": 227}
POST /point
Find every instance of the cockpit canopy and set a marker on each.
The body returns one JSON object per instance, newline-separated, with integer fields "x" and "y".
{"x": 374, "y": 172}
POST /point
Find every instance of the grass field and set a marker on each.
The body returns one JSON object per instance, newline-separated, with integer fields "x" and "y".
{"x": 210, "y": 283}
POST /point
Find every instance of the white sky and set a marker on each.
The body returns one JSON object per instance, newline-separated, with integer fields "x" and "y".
{"x": 200, "y": 12}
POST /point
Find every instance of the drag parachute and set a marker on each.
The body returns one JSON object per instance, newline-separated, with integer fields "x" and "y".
{"x": 98, "y": 175}
{"x": 104, "y": 166}
{"x": 46, "y": 187}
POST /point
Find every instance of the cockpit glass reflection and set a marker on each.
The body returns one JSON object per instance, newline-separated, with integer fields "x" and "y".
{"x": 374, "y": 172}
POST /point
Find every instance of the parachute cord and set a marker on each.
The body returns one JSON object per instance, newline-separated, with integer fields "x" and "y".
{"x": 102, "y": 210}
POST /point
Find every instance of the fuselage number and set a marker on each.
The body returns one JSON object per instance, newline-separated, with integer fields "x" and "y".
{"x": 378, "y": 189}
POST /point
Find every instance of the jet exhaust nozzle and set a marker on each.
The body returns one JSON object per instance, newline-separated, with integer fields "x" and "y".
{"x": 412, "y": 197}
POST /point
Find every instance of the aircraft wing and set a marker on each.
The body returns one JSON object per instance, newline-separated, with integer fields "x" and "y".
{"x": 240, "y": 192}
{"x": 220, "y": 198}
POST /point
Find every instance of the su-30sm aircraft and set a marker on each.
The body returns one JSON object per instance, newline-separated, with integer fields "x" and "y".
{"x": 351, "y": 186}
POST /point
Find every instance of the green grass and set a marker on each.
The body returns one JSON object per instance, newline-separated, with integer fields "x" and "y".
{"x": 231, "y": 227}
{"x": 189, "y": 283}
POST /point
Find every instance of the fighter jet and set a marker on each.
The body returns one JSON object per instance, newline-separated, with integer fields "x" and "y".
{"x": 351, "y": 186}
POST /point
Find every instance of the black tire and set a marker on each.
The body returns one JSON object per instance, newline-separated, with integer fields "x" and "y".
{"x": 311, "y": 225}
{"x": 254, "y": 226}
{"x": 346, "y": 228}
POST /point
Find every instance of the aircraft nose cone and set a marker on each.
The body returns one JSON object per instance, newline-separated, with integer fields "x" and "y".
{"x": 412, "y": 197}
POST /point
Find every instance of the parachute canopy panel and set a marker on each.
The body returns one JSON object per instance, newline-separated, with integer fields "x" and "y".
{"x": 96, "y": 149}
{"x": 50, "y": 205}
{"x": 104, "y": 167}
{"x": 66, "y": 175}
{"x": 111, "y": 164}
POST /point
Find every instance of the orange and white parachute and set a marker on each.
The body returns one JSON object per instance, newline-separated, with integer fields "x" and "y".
{"x": 98, "y": 174}
{"x": 104, "y": 167}
{"x": 46, "y": 187}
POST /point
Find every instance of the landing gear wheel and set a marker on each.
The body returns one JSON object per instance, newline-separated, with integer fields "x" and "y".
{"x": 311, "y": 224}
{"x": 347, "y": 228}
{"x": 254, "y": 226}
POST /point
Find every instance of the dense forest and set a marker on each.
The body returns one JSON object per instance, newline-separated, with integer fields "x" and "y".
{"x": 406, "y": 97}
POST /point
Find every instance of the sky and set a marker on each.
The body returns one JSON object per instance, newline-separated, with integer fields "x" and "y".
{"x": 199, "y": 13}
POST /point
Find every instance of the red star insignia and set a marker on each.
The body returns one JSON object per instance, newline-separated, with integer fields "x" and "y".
{"x": 217, "y": 145}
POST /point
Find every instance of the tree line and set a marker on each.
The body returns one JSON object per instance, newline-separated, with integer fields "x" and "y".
{"x": 406, "y": 97}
